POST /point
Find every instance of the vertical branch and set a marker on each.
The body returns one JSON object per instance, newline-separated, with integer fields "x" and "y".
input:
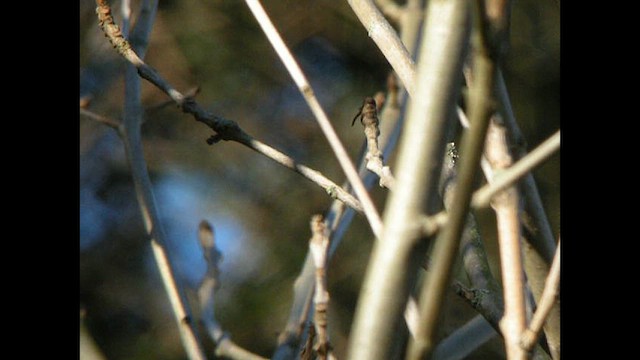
{"x": 319, "y": 246}
{"x": 446, "y": 246}
{"x": 307, "y": 92}
{"x": 133, "y": 146}
{"x": 506, "y": 205}
{"x": 541, "y": 236}
{"x": 369, "y": 119}
{"x": 394, "y": 262}
{"x": 206, "y": 291}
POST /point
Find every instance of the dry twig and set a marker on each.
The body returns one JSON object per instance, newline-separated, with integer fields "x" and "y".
{"x": 224, "y": 346}
{"x": 307, "y": 92}
{"x": 319, "y": 246}
{"x": 225, "y": 129}
{"x": 369, "y": 119}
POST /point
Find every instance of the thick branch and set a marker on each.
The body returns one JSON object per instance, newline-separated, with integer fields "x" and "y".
{"x": 394, "y": 262}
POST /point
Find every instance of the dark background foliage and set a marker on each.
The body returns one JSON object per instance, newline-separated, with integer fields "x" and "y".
{"x": 260, "y": 210}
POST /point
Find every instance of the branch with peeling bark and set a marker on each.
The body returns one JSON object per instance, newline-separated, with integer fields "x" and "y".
{"x": 129, "y": 131}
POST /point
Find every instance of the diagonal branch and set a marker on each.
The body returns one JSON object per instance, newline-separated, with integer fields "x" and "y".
{"x": 307, "y": 92}
{"x": 521, "y": 168}
{"x": 130, "y": 134}
{"x": 546, "y": 303}
{"x": 225, "y": 129}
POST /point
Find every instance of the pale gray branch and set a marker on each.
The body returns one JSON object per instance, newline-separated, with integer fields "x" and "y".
{"x": 307, "y": 92}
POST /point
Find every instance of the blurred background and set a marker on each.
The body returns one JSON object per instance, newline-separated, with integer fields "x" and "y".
{"x": 259, "y": 209}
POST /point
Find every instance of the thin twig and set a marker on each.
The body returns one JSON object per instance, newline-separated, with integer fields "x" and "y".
{"x": 522, "y": 167}
{"x": 369, "y": 119}
{"x": 225, "y": 129}
{"x": 319, "y": 246}
{"x": 394, "y": 261}
{"x": 112, "y": 123}
{"x": 307, "y": 92}
{"x": 130, "y": 134}
{"x": 225, "y": 347}
{"x": 546, "y": 303}
{"x": 486, "y": 294}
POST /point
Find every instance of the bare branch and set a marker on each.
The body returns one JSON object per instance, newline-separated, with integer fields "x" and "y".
{"x": 225, "y": 347}
{"x": 369, "y": 119}
{"x": 130, "y": 133}
{"x": 507, "y": 177}
{"x": 225, "y": 129}
{"x": 319, "y": 246}
{"x": 338, "y": 220}
{"x": 506, "y": 206}
{"x": 464, "y": 340}
{"x": 546, "y": 303}
{"x": 307, "y": 92}
{"x": 383, "y": 34}
{"x": 541, "y": 236}
{"x": 394, "y": 261}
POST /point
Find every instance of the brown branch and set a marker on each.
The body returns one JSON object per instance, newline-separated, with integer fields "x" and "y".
{"x": 319, "y": 246}
{"x": 394, "y": 261}
{"x": 369, "y": 119}
{"x": 225, "y": 129}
